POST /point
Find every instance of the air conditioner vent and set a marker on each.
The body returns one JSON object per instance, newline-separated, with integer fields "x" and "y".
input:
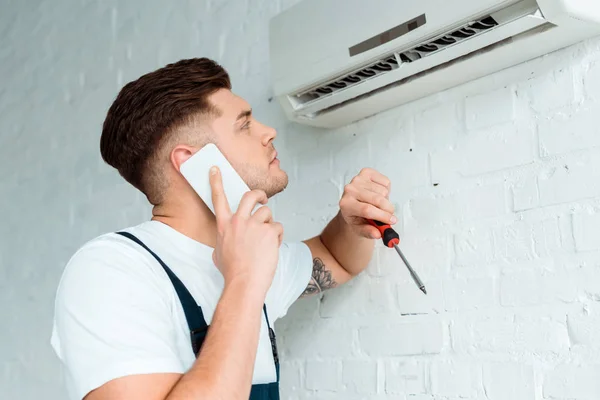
{"x": 395, "y": 60}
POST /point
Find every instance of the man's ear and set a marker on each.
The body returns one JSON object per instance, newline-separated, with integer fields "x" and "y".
{"x": 180, "y": 154}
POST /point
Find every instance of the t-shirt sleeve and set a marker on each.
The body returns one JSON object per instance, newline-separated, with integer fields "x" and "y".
{"x": 293, "y": 274}
{"x": 112, "y": 319}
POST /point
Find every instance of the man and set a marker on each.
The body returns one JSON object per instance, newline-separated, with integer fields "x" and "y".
{"x": 181, "y": 306}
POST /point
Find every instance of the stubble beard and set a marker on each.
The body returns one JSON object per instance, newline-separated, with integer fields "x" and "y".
{"x": 263, "y": 180}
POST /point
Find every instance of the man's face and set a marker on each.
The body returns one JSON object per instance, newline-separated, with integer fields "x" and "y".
{"x": 247, "y": 144}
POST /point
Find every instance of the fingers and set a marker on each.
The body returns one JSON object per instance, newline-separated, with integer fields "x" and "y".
{"x": 278, "y": 228}
{"x": 366, "y": 183}
{"x": 369, "y": 232}
{"x": 377, "y": 199}
{"x": 376, "y": 177}
{"x": 376, "y": 188}
{"x": 263, "y": 214}
{"x": 249, "y": 201}
{"x": 220, "y": 203}
{"x": 364, "y": 198}
{"x": 369, "y": 211}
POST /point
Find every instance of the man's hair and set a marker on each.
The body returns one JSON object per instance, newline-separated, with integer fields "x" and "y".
{"x": 146, "y": 113}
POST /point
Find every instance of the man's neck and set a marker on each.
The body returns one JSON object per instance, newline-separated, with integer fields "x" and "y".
{"x": 191, "y": 218}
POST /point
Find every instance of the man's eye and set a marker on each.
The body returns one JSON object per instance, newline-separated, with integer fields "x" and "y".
{"x": 246, "y": 125}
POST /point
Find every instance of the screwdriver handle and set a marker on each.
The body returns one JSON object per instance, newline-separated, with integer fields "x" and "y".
{"x": 388, "y": 235}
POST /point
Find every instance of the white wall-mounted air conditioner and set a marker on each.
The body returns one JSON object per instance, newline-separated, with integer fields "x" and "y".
{"x": 334, "y": 62}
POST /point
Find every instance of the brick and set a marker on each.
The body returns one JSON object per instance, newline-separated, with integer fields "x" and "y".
{"x": 322, "y": 375}
{"x": 429, "y": 254}
{"x": 305, "y": 308}
{"x": 290, "y": 375}
{"x": 471, "y": 203}
{"x": 514, "y": 242}
{"x": 360, "y": 376}
{"x": 547, "y": 237}
{"x": 504, "y": 381}
{"x": 358, "y": 297}
{"x": 586, "y": 229}
{"x": 550, "y": 92}
{"x": 490, "y": 108}
{"x": 395, "y": 168}
{"x": 589, "y": 278}
{"x": 433, "y": 211}
{"x": 481, "y": 202}
{"x": 526, "y": 194}
{"x": 576, "y": 180}
{"x": 445, "y": 167}
{"x": 396, "y": 339}
{"x": 395, "y": 133}
{"x": 437, "y": 127}
{"x": 405, "y": 377}
{"x": 527, "y": 240}
{"x": 319, "y": 395}
{"x": 298, "y": 200}
{"x": 384, "y": 263}
{"x": 572, "y": 382}
{"x": 583, "y": 327}
{"x": 493, "y": 149}
{"x": 505, "y": 335}
{"x": 473, "y": 247}
{"x": 569, "y": 132}
{"x": 591, "y": 81}
{"x": 469, "y": 294}
{"x": 451, "y": 378}
{"x": 312, "y": 169}
{"x": 349, "y": 156}
{"x": 567, "y": 238}
{"x": 412, "y": 301}
{"x": 528, "y": 288}
{"x": 542, "y": 336}
{"x": 322, "y": 340}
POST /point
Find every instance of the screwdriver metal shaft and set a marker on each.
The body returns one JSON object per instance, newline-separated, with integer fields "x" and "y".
{"x": 412, "y": 272}
{"x": 391, "y": 238}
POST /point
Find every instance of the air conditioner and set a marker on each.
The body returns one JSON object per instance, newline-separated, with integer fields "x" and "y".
{"x": 334, "y": 62}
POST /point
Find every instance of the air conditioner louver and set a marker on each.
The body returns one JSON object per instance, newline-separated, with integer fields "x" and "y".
{"x": 394, "y": 60}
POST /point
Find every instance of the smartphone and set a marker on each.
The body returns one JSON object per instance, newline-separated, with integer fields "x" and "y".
{"x": 196, "y": 171}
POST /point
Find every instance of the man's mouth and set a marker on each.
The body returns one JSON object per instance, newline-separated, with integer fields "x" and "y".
{"x": 273, "y": 158}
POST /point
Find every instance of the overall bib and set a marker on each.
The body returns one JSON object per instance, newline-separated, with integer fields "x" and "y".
{"x": 198, "y": 326}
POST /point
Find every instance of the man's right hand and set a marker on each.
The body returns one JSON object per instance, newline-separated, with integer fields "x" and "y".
{"x": 247, "y": 248}
{"x": 246, "y": 253}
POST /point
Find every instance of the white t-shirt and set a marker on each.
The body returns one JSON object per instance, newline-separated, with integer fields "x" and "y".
{"x": 117, "y": 312}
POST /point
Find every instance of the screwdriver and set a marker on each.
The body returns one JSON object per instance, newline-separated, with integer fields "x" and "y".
{"x": 391, "y": 238}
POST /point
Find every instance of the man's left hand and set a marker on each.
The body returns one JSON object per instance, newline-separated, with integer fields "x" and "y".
{"x": 367, "y": 197}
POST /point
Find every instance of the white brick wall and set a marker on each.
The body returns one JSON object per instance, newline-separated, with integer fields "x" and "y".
{"x": 508, "y": 381}
{"x": 497, "y": 186}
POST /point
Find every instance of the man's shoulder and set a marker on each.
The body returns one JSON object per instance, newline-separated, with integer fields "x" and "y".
{"x": 109, "y": 245}
{"x": 107, "y": 254}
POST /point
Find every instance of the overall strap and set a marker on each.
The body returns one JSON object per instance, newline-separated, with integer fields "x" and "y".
{"x": 193, "y": 313}
{"x": 273, "y": 342}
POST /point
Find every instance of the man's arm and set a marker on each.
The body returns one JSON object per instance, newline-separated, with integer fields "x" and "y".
{"x": 224, "y": 365}
{"x": 339, "y": 254}
{"x": 345, "y": 247}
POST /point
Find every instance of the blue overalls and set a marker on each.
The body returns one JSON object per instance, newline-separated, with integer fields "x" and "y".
{"x": 198, "y": 326}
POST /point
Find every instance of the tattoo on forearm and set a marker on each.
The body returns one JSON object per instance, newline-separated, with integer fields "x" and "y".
{"x": 321, "y": 279}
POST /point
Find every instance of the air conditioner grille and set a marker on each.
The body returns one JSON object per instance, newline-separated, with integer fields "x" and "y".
{"x": 393, "y": 60}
